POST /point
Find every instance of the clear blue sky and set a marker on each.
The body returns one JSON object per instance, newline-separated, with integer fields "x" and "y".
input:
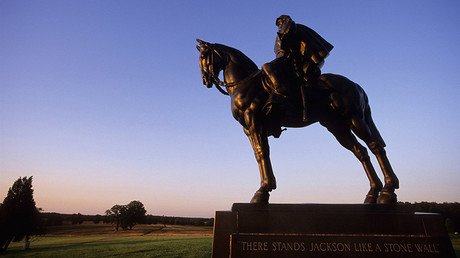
{"x": 102, "y": 102}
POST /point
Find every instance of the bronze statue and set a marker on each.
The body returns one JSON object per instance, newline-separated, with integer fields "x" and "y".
{"x": 334, "y": 101}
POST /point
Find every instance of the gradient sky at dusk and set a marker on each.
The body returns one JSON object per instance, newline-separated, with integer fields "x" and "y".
{"x": 102, "y": 102}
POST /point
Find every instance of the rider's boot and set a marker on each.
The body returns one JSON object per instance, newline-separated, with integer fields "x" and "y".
{"x": 278, "y": 94}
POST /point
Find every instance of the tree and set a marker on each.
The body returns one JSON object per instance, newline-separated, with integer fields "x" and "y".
{"x": 115, "y": 214}
{"x": 126, "y": 216}
{"x": 136, "y": 213}
{"x": 19, "y": 217}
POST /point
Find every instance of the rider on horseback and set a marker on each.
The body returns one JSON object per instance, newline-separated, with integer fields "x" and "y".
{"x": 302, "y": 46}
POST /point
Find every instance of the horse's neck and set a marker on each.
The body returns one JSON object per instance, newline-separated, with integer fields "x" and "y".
{"x": 234, "y": 73}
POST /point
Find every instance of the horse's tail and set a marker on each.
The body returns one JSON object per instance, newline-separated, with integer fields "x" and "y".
{"x": 370, "y": 123}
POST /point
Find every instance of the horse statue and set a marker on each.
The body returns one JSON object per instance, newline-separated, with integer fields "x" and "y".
{"x": 335, "y": 102}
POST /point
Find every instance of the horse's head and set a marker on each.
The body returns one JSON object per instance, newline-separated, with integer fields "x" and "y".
{"x": 211, "y": 63}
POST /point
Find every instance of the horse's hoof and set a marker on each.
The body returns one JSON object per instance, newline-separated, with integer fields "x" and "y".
{"x": 371, "y": 199}
{"x": 260, "y": 197}
{"x": 387, "y": 198}
{"x": 372, "y": 196}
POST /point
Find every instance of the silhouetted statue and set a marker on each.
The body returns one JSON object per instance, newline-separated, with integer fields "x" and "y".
{"x": 334, "y": 101}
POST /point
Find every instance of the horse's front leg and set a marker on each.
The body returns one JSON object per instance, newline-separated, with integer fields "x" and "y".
{"x": 259, "y": 142}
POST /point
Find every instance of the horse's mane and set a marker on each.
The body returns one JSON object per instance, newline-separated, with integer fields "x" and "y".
{"x": 237, "y": 56}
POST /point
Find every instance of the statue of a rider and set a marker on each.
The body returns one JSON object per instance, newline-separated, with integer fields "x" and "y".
{"x": 304, "y": 47}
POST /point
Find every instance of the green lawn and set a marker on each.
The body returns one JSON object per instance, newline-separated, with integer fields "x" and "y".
{"x": 115, "y": 246}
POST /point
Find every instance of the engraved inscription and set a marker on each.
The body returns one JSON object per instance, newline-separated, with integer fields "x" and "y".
{"x": 427, "y": 248}
{"x": 288, "y": 246}
{"x": 330, "y": 247}
{"x": 254, "y": 246}
{"x": 308, "y": 246}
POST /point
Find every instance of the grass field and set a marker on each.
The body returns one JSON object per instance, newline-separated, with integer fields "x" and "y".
{"x": 98, "y": 240}
{"x": 116, "y": 246}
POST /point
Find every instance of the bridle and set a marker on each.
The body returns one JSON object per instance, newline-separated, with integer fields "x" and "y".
{"x": 215, "y": 79}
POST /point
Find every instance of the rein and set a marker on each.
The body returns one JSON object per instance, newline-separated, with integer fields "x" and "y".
{"x": 216, "y": 81}
{"x": 219, "y": 84}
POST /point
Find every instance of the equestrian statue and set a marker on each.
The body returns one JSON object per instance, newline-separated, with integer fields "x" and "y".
{"x": 290, "y": 91}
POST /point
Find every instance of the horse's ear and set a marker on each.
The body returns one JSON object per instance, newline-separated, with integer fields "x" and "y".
{"x": 198, "y": 47}
{"x": 202, "y": 42}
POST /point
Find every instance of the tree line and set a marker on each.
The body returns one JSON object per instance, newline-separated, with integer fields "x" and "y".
{"x": 58, "y": 219}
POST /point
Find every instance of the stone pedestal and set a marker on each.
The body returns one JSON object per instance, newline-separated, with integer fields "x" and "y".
{"x": 323, "y": 230}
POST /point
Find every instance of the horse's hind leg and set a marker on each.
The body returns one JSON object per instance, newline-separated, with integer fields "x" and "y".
{"x": 387, "y": 195}
{"x": 370, "y": 135}
{"x": 345, "y": 137}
